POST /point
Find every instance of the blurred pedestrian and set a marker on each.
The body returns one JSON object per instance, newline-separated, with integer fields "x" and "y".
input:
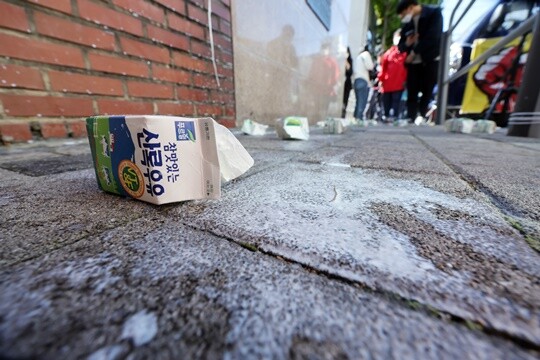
{"x": 392, "y": 78}
{"x": 420, "y": 39}
{"x": 325, "y": 73}
{"x": 363, "y": 64}
{"x": 348, "y": 82}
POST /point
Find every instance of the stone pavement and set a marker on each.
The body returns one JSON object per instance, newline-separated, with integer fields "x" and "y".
{"x": 407, "y": 243}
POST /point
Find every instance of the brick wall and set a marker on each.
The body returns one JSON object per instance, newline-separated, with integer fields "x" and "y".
{"x": 63, "y": 60}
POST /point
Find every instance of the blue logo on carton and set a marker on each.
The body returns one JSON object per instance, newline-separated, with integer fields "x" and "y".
{"x": 185, "y": 130}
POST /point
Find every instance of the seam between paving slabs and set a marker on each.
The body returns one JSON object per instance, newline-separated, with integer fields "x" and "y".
{"x": 95, "y": 235}
{"x": 386, "y": 295}
{"x": 510, "y": 214}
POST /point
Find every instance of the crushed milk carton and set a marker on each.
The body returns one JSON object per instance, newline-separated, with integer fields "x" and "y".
{"x": 484, "y": 126}
{"x": 468, "y": 126}
{"x": 334, "y": 126}
{"x": 293, "y": 127}
{"x": 251, "y": 127}
{"x": 459, "y": 125}
{"x": 163, "y": 159}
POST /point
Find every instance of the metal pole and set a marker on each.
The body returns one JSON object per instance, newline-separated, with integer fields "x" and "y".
{"x": 442, "y": 87}
{"x": 528, "y": 99}
{"x": 442, "y": 83}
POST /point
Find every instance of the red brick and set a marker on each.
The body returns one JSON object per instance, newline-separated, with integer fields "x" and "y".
{"x": 168, "y": 38}
{"x": 185, "y": 26}
{"x": 224, "y": 57}
{"x": 205, "y": 81}
{"x": 221, "y": 10}
{"x": 225, "y": 27}
{"x": 221, "y": 97}
{"x": 230, "y": 111}
{"x": 226, "y": 84}
{"x": 215, "y": 23}
{"x": 13, "y": 17}
{"x": 15, "y": 76}
{"x": 85, "y": 84}
{"x": 121, "y": 107}
{"x": 184, "y": 93}
{"x": 202, "y": 49}
{"x": 227, "y": 122}
{"x": 174, "y": 5}
{"x": 145, "y": 51}
{"x": 212, "y": 110}
{"x": 225, "y": 71}
{"x": 222, "y": 41}
{"x": 171, "y": 75}
{"x": 112, "y": 18}
{"x": 15, "y": 132}
{"x": 198, "y": 14}
{"x": 149, "y": 90}
{"x": 174, "y": 108}
{"x": 53, "y": 130}
{"x": 116, "y": 65}
{"x": 15, "y": 105}
{"x": 41, "y": 51}
{"x": 142, "y": 8}
{"x": 226, "y": 2}
{"x": 60, "y": 5}
{"x": 190, "y": 62}
{"x": 77, "y": 129}
{"x": 59, "y": 28}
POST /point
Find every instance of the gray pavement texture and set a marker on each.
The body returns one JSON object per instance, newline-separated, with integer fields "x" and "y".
{"x": 380, "y": 243}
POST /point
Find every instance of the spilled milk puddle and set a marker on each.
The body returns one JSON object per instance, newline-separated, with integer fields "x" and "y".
{"x": 366, "y": 227}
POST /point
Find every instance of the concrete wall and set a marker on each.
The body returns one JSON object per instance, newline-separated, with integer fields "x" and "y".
{"x": 64, "y": 60}
{"x": 279, "y": 66}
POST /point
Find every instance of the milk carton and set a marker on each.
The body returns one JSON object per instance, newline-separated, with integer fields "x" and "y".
{"x": 293, "y": 127}
{"x": 160, "y": 159}
{"x": 459, "y": 125}
{"x": 334, "y": 126}
{"x": 251, "y": 127}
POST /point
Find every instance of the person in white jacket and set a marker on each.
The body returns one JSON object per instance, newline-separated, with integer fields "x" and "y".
{"x": 362, "y": 66}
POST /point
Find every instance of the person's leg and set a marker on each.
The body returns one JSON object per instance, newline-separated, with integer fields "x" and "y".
{"x": 395, "y": 102}
{"x": 387, "y": 103}
{"x": 428, "y": 84}
{"x": 346, "y": 93}
{"x": 414, "y": 81}
{"x": 364, "y": 95}
{"x": 360, "y": 90}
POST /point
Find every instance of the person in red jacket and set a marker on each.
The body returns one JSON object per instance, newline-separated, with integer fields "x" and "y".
{"x": 392, "y": 78}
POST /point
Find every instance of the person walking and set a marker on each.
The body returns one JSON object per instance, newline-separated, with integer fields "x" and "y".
{"x": 348, "y": 82}
{"x": 392, "y": 78}
{"x": 363, "y": 64}
{"x": 420, "y": 39}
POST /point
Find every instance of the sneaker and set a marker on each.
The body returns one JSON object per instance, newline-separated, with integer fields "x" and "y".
{"x": 420, "y": 120}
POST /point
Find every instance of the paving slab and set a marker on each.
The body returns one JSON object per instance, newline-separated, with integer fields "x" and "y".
{"x": 508, "y": 172}
{"x": 517, "y": 171}
{"x": 381, "y": 150}
{"x": 155, "y": 288}
{"x": 378, "y": 243}
{"x": 40, "y": 214}
{"x": 387, "y": 234}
